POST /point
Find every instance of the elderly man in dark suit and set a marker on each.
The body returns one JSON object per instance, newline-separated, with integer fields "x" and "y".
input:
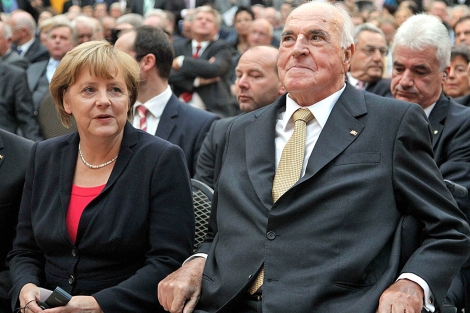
{"x": 420, "y": 68}
{"x": 16, "y": 112}
{"x": 307, "y": 215}
{"x": 6, "y": 53}
{"x": 202, "y": 65}
{"x": 165, "y": 116}
{"x": 14, "y": 155}
{"x": 24, "y": 37}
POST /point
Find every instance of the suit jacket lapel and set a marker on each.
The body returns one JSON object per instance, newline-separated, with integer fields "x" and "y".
{"x": 261, "y": 151}
{"x": 437, "y": 118}
{"x": 69, "y": 159}
{"x": 168, "y": 120}
{"x": 341, "y": 129}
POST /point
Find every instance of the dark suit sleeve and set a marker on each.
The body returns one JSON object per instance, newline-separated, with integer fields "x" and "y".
{"x": 206, "y": 160}
{"x": 24, "y": 108}
{"x": 456, "y": 166}
{"x": 201, "y": 137}
{"x": 421, "y": 193}
{"x": 200, "y": 67}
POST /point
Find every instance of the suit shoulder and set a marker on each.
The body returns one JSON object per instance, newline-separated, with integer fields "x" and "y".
{"x": 34, "y": 67}
{"x": 20, "y": 143}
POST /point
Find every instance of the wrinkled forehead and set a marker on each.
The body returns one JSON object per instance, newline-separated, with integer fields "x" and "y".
{"x": 316, "y": 14}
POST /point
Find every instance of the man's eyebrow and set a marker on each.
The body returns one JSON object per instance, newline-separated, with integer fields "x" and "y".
{"x": 286, "y": 33}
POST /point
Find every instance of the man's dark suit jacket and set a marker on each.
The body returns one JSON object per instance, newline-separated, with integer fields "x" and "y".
{"x": 36, "y": 52}
{"x": 137, "y": 6}
{"x": 380, "y": 87}
{"x": 216, "y": 96}
{"x": 37, "y": 83}
{"x": 209, "y": 160}
{"x": 13, "y": 58}
{"x": 138, "y": 230}
{"x": 464, "y": 100}
{"x": 14, "y": 156}
{"x": 450, "y": 125}
{"x": 185, "y": 126}
{"x": 329, "y": 244}
{"x": 16, "y": 111}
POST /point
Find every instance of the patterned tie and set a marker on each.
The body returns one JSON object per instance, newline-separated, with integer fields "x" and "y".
{"x": 289, "y": 168}
{"x": 142, "y": 110}
{"x": 187, "y": 96}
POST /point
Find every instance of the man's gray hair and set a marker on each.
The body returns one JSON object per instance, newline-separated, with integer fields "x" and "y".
{"x": 423, "y": 31}
{"x": 367, "y": 27}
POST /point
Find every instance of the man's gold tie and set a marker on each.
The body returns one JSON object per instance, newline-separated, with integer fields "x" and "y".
{"x": 289, "y": 168}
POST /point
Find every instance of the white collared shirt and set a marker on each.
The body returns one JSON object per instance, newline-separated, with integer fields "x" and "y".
{"x": 155, "y": 107}
{"x": 51, "y": 67}
{"x": 285, "y": 124}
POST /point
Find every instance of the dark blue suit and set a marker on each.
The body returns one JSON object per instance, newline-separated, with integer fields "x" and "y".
{"x": 185, "y": 126}
{"x": 138, "y": 230}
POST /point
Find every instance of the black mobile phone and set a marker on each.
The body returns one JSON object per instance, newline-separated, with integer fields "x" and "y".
{"x": 59, "y": 297}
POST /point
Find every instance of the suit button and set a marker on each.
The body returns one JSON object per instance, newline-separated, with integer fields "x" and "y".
{"x": 74, "y": 253}
{"x": 71, "y": 279}
{"x": 271, "y": 235}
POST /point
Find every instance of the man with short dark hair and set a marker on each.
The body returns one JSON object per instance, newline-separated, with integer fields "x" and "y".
{"x": 157, "y": 107}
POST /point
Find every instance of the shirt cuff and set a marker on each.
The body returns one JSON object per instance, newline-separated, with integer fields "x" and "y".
{"x": 180, "y": 60}
{"x": 428, "y": 297}
{"x": 196, "y": 255}
{"x": 196, "y": 82}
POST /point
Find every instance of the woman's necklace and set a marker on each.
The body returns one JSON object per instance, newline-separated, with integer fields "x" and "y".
{"x": 94, "y": 166}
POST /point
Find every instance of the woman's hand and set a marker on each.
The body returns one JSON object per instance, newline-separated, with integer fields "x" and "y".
{"x": 28, "y": 296}
{"x": 78, "y": 304}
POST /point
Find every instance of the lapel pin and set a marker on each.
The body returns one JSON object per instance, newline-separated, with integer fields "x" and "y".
{"x": 353, "y": 132}
{"x": 435, "y": 132}
{"x": 1, "y": 157}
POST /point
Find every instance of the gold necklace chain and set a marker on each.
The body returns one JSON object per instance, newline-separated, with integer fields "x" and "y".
{"x": 94, "y": 166}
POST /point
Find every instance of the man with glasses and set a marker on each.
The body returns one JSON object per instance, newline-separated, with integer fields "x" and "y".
{"x": 367, "y": 62}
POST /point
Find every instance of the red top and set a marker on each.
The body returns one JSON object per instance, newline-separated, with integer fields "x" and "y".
{"x": 80, "y": 198}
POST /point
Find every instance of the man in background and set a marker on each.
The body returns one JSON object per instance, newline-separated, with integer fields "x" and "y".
{"x": 256, "y": 86}
{"x": 24, "y": 38}
{"x": 157, "y": 110}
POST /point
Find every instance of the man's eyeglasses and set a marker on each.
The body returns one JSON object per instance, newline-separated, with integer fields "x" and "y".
{"x": 370, "y": 50}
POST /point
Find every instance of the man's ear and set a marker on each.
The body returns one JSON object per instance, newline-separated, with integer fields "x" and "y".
{"x": 348, "y": 53}
{"x": 148, "y": 61}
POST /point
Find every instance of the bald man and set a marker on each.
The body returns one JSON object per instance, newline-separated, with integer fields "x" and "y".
{"x": 257, "y": 85}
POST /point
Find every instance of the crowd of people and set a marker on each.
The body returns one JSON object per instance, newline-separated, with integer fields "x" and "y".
{"x": 330, "y": 132}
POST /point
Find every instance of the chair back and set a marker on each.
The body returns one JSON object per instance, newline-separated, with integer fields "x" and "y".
{"x": 202, "y": 201}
